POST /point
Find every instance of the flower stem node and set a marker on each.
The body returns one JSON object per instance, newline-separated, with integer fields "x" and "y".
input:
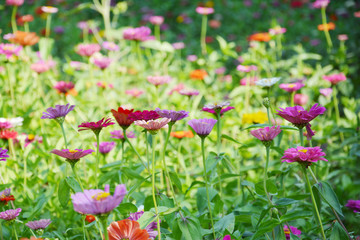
{"x": 266, "y": 102}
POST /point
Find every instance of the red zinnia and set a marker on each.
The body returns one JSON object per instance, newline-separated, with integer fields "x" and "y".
{"x": 127, "y": 229}
{"x": 7, "y": 134}
{"x": 90, "y": 218}
{"x": 24, "y": 19}
{"x": 6, "y": 199}
{"x": 122, "y": 117}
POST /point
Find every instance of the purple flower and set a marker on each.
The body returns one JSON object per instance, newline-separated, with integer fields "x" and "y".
{"x": 291, "y": 87}
{"x": 59, "y": 29}
{"x": 216, "y": 108}
{"x": 96, "y": 201}
{"x": 58, "y": 113}
{"x": 72, "y": 156}
{"x": 39, "y": 224}
{"x": 300, "y": 117}
{"x": 3, "y": 154}
{"x": 105, "y": 147}
{"x": 303, "y": 155}
{"x": 202, "y": 127}
{"x": 110, "y": 46}
{"x": 266, "y": 134}
{"x": 326, "y": 91}
{"x": 294, "y": 231}
{"x": 102, "y": 62}
{"x": 9, "y": 49}
{"x": 96, "y": 127}
{"x": 10, "y": 214}
{"x": 173, "y": 115}
{"x": 354, "y": 205}
{"x": 150, "y": 228}
{"x": 320, "y": 3}
{"x": 119, "y": 134}
{"x": 137, "y": 34}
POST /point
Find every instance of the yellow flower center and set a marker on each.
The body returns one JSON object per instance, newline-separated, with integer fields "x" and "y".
{"x": 287, "y": 231}
{"x": 101, "y": 196}
{"x": 291, "y": 85}
{"x": 73, "y": 151}
{"x": 8, "y": 48}
{"x": 303, "y": 150}
{"x": 31, "y": 137}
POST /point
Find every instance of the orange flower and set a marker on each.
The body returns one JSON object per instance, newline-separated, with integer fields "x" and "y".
{"x": 25, "y": 38}
{"x": 182, "y": 134}
{"x": 328, "y": 26}
{"x": 259, "y": 37}
{"x": 127, "y": 229}
{"x": 198, "y": 74}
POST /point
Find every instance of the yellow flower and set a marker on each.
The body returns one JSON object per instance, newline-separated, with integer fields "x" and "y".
{"x": 258, "y": 117}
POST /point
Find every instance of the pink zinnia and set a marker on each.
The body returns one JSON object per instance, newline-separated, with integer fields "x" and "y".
{"x": 110, "y": 46}
{"x": 320, "y": 3}
{"x": 159, "y": 80}
{"x": 15, "y": 2}
{"x": 153, "y": 125}
{"x": 177, "y": 88}
{"x": 343, "y": 37}
{"x": 204, "y": 10}
{"x": 243, "y": 68}
{"x": 266, "y": 134}
{"x": 189, "y": 92}
{"x": 64, "y": 87}
{"x": 137, "y": 34}
{"x": 87, "y": 50}
{"x": 134, "y": 92}
{"x": 277, "y": 30}
{"x": 96, "y": 127}
{"x": 301, "y": 99}
{"x": 335, "y": 78}
{"x": 291, "y": 87}
{"x": 304, "y": 155}
{"x": 72, "y": 156}
{"x": 119, "y": 134}
{"x": 9, "y": 49}
{"x": 251, "y": 80}
{"x": 11, "y": 214}
{"x": 326, "y": 91}
{"x": 156, "y": 20}
{"x": 40, "y": 67}
{"x": 102, "y": 62}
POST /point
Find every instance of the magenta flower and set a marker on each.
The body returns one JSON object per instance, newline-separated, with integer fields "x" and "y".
{"x": 87, "y": 50}
{"x": 5, "y": 125}
{"x": 159, "y": 80}
{"x": 153, "y": 126}
{"x": 300, "y": 117}
{"x": 40, "y": 224}
{"x": 222, "y": 111}
{"x": 204, "y": 10}
{"x": 303, "y": 155}
{"x": 96, "y": 126}
{"x": 252, "y": 81}
{"x": 173, "y": 115}
{"x": 353, "y": 205}
{"x": 202, "y": 127}
{"x": 11, "y": 214}
{"x": 266, "y": 134}
{"x": 137, "y": 34}
{"x": 64, "y": 87}
{"x": 3, "y": 154}
{"x": 320, "y": 3}
{"x": 227, "y": 237}
{"x": 9, "y": 49}
{"x": 294, "y": 231}
{"x": 326, "y": 91}
{"x": 58, "y": 113}
{"x": 119, "y": 134}
{"x": 150, "y": 228}
{"x": 102, "y": 62}
{"x": 72, "y": 156}
{"x": 335, "y": 78}
{"x": 189, "y": 92}
{"x": 178, "y": 45}
{"x": 156, "y": 20}
{"x": 243, "y": 68}
{"x": 144, "y": 115}
{"x": 96, "y": 201}
{"x": 301, "y": 99}
{"x": 291, "y": 87}
{"x": 105, "y": 147}
{"x": 14, "y": 2}
{"x": 110, "y": 46}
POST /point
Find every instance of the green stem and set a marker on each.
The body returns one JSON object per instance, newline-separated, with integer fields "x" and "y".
{"x": 218, "y": 124}
{"x": 11, "y": 76}
{"x": 1, "y": 233}
{"x": 13, "y": 19}
{"x": 25, "y": 170}
{"x": 314, "y": 202}
{"x": 133, "y": 148}
{"x": 292, "y": 98}
{"x": 48, "y": 24}
{"x": 97, "y": 158}
{"x": 157, "y": 32}
{"x": 265, "y": 174}
{"x": 103, "y": 220}
{"x": 268, "y": 114}
{"x": 86, "y": 233}
{"x": 326, "y": 30}
{"x": 301, "y": 135}
{"x": 15, "y": 233}
{"x": 63, "y": 132}
{"x": 76, "y": 176}
{"x": 26, "y": 27}
{"x": 337, "y": 112}
{"x": 153, "y": 186}
{"x": 206, "y": 185}
{"x": 138, "y": 51}
{"x": 203, "y": 35}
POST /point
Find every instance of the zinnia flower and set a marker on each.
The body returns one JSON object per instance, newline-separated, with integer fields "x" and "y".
{"x": 96, "y": 201}
{"x": 300, "y": 117}
{"x": 294, "y": 231}
{"x": 150, "y": 228}
{"x": 202, "y": 127}
{"x": 328, "y": 26}
{"x": 40, "y": 67}
{"x": 96, "y": 127}
{"x": 134, "y": 92}
{"x": 65, "y": 87}
{"x": 39, "y": 224}
{"x": 353, "y": 205}
{"x": 326, "y": 91}
{"x": 172, "y": 115}
{"x": 343, "y": 37}
{"x": 144, "y": 115}
{"x": 335, "y": 78}
{"x": 267, "y": 82}
{"x": 182, "y": 134}
{"x": 301, "y": 99}
{"x": 243, "y": 68}
{"x": 321, "y": 3}
{"x": 259, "y": 37}
{"x": 49, "y": 9}
{"x": 137, "y": 34}
{"x": 198, "y": 74}
{"x": 5, "y": 196}
{"x": 14, "y": 2}
{"x": 24, "y": 19}
{"x": 11, "y": 214}
{"x": 266, "y": 134}
{"x": 119, "y": 134}
{"x": 7, "y": 134}
{"x": 227, "y": 237}
{"x": 248, "y": 80}
{"x": 156, "y": 20}
{"x": 122, "y": 117}
{"x": 105, "y": 147}
{"x": 58, "y": 113}
{"x": 303, "y": 155}
{"x": 24, "y": 38}
{"x": 159, "y": 80}
{"x": 153, "y": 125}
{"x": 204, "y": 10}
{"x": 110, "y": 46}
{"x": 72, "y": 156}
{"x": 87, "y": 50}
{"x": 178, "y": 45}
{"x": 277, "y": 30}
{"x": 102, "y": 62}
{"x": 189, "y": 92}
{"x": 32, "y": 138}
{"x": 3, "y": 154}
{"x": 253, "y": 118}
{"x": 127, "y": 230}
{"x": 9, "y": 49}
{"x": 291, "y": 87}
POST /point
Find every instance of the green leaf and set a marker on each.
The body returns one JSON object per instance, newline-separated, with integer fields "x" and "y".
{"x": 265, "y": 227}
{"x": 229, "y": 138}
{"x": 201, "y": 199}
{"x": 63, "y": 193}
{"x": 73, "y": 184}
{"x": 212, "y": 160}
{"x": 295, "y": 215}
{"x": 329, "y": 196}
{"x": 227, "y": 222}
{"x": 270, "y": 186}
{"x": 175, "y": 179}
{"x": 146, "y": 219}
{"x": 168, "y": 211}
{"x": 285, "y": 202}
{"x": 126, "y": 208}
{"x": 338, "y": 233}
{"x": 190, "y": 228}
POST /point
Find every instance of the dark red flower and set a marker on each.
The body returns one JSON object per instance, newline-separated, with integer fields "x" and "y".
{"x": 144, "y": 115}
{"x": 122, "y": 117}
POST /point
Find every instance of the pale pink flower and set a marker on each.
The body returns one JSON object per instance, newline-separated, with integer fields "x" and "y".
{"x": 326, "y": 91}
{"x": 301, "y": 99}
{"x": 135, "y": 92}
{"x": 156, "y": 20}
{"x": 204, "y": 10}
{"x": 159, "y": 80}
{"x": 153, "y": 125}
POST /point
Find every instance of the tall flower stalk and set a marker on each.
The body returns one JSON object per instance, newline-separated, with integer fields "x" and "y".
{"x": 204, "y": 11}
{"x": 153, "y": 186}
{"x": 326, "y": 29}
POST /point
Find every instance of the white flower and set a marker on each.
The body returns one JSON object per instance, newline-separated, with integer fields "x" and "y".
{"x": 18, "y": 121}
{"x": 267, "y": 82}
